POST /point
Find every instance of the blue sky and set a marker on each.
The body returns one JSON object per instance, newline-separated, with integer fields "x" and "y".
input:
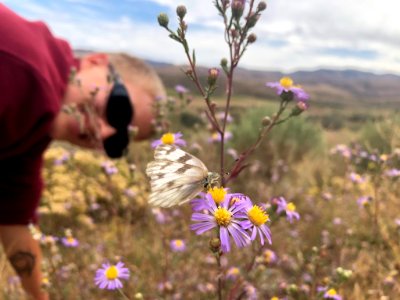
{"x": 292, "y": 35}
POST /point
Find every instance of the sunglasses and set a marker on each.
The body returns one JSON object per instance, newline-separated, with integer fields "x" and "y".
{"x": 119, "y": 114}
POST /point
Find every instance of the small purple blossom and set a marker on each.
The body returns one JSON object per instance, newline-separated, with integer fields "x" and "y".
{"x": 170, "y": 139}
{"x": 216, "y": 137}
{"x": 288, "y": 208}
{"x": 62, "y": 159}
{"x": 178, "y": 245}
{"x": 286, "y": 85}
{"x": 180, "y": 89}
{"x": 224, "y": 217}
{"x": 356, "y": 178}
{"x": 392, "y": 173}
{"x": 269, "y": 256}
{"x": 109, "y": 167}
{"x": 364, "y": 201}
{"x": 332, "y": 294}
{"x": 108, "y": 277}
{"x": 70, "y": 241}
{"x": 232, "y": 273}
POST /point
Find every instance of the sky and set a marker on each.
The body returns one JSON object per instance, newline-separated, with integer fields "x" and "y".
{"x": 291, "y": 35}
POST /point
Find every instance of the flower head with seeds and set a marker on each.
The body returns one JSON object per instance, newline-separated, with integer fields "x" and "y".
{"x": 169, "y": 139}
{"x": 255, "y": 220}
{"x": 288, "y": 208}
{"x": 224, "y": 217}
{"x": 108, "y": 277}
{"x": 286, "y": 85}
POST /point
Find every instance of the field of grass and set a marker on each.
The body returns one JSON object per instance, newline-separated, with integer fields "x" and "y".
{"x": 340, "y": 245}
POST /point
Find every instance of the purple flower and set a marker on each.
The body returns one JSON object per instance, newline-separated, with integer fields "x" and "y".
{"x": 356, "y": 178}
{"x": 269, "y": 256}
{"x": 288, "y": 208}
{"x": 63, "y": 158}
{"x": 199, "y": 203}
{"x": 109, "y": 167}
{"x": 170, "y": 139}
{"x": 177, "y": 245}
{"x": 224, "y": 217}
{"x": 180, "y": 89}
{"x": 392, "y": 173}
{"x": 108, "y": 277}
{"x": 216, "y": 137}
{"x": 286, "y": 85}
{"x": 70, "y": 241}
{"x": 364, "y": 201}
{"x": 332, "y": 294}
{"x": 232, "y": 273}
{"x": 255, "y": 220}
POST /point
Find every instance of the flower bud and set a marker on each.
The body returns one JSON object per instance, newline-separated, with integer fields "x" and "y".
{"x": 237, "y": 9}
{"x": 181, "y": 11}
{"x": 252, "y": 20}
{"x": 215, "y": 244}
{"x": 163, "y": 20}
{"x": 224, "y": 62}
{"x": 213, "y": 74}
{"x": 251, "y": 38}
{"x": 299, "y": 108}
{"x": 261, "y": 6}
{"x": 266, "y": 121}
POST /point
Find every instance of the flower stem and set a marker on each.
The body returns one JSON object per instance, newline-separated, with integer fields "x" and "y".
{"x": 123, "y": 294}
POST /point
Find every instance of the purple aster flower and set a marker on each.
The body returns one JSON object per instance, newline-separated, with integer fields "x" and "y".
{"x": 356, "y": 178}
{"x": 288, "y": 208}
{"x": 286, "y": 85}
{"x": 269, "y": 256}
{"x": 251, "y": 291}
{"x": 199, "y": 203}
{"x": 364, "y": 201}
{"x": 62, "y": 159}
{"x": 255, "y": 220}
{"x": 177, "y": 245}
{"x": 70, "y": 241}
{"x": 170, "y": 139}
{"x": 180, "y": 89}
{"x": 224, "y": 218}
{"x": 108, "y": 277}
{"x": 232, "y": 273}
{"x": 109, "y": 167}
{"x": 343, "y": 150}
{"x": 332, "y": 294}
{"x": 160, "y": 215}
{"x": 216, "y": 137}
{"x": 392, "y": 173}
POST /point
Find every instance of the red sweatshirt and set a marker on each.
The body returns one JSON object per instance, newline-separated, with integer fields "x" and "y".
{"x": 34, "y": 70}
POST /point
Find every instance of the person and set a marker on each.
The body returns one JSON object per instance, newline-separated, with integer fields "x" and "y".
{"x": 49, "y": 94}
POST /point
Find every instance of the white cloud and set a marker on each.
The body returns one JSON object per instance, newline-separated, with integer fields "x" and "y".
{"x": 291, "y": 34}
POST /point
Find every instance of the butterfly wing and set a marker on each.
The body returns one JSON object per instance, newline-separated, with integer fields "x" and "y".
{"x": 176, "y": 176}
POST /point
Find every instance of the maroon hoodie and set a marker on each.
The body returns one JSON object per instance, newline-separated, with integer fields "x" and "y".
{"x": 34, "y": 70}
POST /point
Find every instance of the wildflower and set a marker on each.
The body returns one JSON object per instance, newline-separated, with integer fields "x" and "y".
{"x": 256, "y": 219}
{"x": 332, "y": 294}
{"x": 364, "y": 201}
{"x": 109, "y": 167}
{"x": 342, "y": 150}
{"x": 286, "y": 85}
{"x": 356, "y": 178}
{"x": 288, "y": 208}
{"x": 180, "y": 89}
{"x": 232, "y": 273}
{"x": 160, "y": 216}
{"x": 169, "y": 139}
{"x": 213, "y": 74}
{"x": 216, "y": 137}
{"x": 392, "y": 173}
{"x": 218, "y": 194}
{"x": 163, "y": 20}
{"x": 178, "y": 245}
{"x": 199, "y": 204}
{"x": 224, "y": 218}
{"x": 108, "y": 277}
{"x": 269, "y": 256}
{"x": 251, "y": 291}
{"x": 70, "y": 241}
{"x": 63, "y": 158}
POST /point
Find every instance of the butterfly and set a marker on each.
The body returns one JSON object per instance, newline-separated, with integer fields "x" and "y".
{"x": 177, "y": 176}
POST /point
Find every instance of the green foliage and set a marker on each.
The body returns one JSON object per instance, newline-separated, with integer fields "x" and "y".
{"x": 381, "y": 135}
{"x": 290, "y": 141}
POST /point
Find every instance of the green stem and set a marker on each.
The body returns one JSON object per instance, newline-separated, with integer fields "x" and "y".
{"x": 123, "y": 294}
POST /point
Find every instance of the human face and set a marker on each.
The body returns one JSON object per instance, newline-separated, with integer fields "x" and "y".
{"x": 98, "y": 114}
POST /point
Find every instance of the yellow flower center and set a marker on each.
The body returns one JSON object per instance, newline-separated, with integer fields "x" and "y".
{"x": 234, "y": 271}
{"x": 286, "y": 82}
{"x": 332, "y": 292}
{"x": 291, "y": 207}
{"x": 223, "y": 216}
{"x": 218, "y": 194}
{"x": 274, "y": 298}
{"x": 268, "y": 256}
{"x": 257, "y": 216}
{"x": 70, "y": 239}
{"x": 215, "y": 136}
{"x": 168, "y": 138}
{"x": 112, "y": 273}
{"x": 178, "y": 243}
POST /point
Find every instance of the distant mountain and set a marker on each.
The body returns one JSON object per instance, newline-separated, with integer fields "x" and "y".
{"x": 336, "y": 88}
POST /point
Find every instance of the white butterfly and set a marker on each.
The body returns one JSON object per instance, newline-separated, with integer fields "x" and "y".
{"x": 177, "y": 176}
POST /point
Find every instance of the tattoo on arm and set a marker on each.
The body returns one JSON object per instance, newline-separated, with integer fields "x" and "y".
{"x": 23, "y": 262}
